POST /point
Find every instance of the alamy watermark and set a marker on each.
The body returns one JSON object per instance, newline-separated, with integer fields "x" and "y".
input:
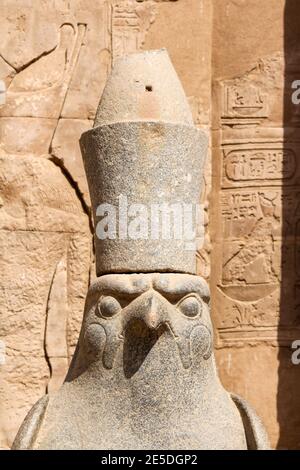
{"x": 296, "y": 354}
{"x": 153, "y": 221}
{"x": 296, "y": 93}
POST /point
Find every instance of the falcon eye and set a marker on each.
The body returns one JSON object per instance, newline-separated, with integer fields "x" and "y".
{"x": 190, "y": 307}
{"x": 108, "y": 306}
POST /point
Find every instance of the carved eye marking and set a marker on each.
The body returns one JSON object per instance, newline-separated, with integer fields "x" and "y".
{"x": 108, "y": 307}
{"x": 191, "y": 307}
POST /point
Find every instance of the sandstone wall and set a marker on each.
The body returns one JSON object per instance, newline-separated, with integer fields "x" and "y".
{"x": 54, "y": 59}
{"x": 255, "y": 207}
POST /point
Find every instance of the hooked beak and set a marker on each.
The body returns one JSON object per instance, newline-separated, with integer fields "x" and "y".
{"x": 152, "y": 317}
{"x": 151, "y": 311}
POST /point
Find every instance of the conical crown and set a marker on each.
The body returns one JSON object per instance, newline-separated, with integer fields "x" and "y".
{"x": 143, "y": 87}
{"x": 144, "y": 160}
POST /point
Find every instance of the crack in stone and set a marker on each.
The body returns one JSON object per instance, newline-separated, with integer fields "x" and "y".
{"x": 58, "y": 162}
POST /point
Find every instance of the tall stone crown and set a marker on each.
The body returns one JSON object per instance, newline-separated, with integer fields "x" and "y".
{"x": 144, "y": 156}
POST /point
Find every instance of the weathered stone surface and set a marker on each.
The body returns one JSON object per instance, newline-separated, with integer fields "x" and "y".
{"x": 150, "y": 164}
{"x": 50, "y": 205}
{"x": 144, "y": 357}
{"x": 39, "y": 245}
{"x": 146, "y": 363}
{"x": 66, "y": 150}
{"x": 41, "y": 96}
{"x": 2, "y": 92}
{"x": 254, "y": 227}
{"x": 54, "y": 61}
{"x": 145, "y": 148}
{"x": 153, "y": 92}
{"x": 191, "y": 21}
{"x": 34, "y": 135}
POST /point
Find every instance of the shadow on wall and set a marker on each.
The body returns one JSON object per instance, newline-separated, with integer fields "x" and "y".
{"x": 288, "y": 397}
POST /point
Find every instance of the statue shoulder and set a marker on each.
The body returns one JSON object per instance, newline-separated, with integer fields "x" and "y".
{"x": 256, "y": 435}
{"x": 30, "y": 427}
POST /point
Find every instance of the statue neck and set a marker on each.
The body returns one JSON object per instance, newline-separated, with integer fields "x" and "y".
{"x": 150, "y": 371}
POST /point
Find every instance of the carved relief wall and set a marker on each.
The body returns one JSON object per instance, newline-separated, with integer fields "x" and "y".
{"x": 54, "y": 60}
{"x": 256, "y": 205}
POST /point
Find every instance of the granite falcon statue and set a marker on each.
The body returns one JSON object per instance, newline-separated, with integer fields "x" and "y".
{"x": 143, "y": 375}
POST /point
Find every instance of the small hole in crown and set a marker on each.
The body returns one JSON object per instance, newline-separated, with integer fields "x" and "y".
{"x": 148, "y": 88}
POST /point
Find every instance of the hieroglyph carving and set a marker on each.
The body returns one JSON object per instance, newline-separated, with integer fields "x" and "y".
{"x": 130, "y": 21}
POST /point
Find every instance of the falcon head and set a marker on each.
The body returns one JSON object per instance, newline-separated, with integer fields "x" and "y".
{"x": 135, "y": 310}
